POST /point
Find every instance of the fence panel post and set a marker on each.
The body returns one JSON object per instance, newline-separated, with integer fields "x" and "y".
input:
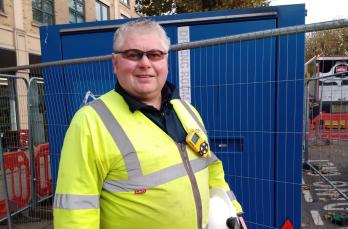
{"x": 4, "y": 185}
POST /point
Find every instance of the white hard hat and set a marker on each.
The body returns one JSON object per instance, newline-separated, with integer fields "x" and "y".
{"x": 221, "y": 210}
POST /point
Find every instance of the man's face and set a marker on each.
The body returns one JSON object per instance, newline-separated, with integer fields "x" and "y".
{"x": 144, "y": 78}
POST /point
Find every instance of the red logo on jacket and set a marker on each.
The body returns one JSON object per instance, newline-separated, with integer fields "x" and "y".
{"x": 139, "y": 191}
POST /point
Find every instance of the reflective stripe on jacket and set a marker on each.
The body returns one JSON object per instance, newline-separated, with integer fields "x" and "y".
{"x": 120, "y": 170}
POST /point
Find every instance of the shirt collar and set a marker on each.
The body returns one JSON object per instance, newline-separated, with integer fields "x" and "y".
{"x": 169, "y": 92}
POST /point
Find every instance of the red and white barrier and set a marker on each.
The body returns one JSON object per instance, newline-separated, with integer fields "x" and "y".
{"x": 330, "y": 126}
{"x": 17, "y": 168}
{"x": 43, "y": 180}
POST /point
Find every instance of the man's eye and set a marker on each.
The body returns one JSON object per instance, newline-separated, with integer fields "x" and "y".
{"x": 154, "y": 55}
{"x": 133, "y": 55}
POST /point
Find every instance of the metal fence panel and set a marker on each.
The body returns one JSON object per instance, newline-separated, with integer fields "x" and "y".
{"x": 326, "y": 166}
{"x": 254, "y": 120}
{"x": 24, "y": 152}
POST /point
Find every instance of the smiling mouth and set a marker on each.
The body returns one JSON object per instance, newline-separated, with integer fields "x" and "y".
{"x": 144, "y": 76}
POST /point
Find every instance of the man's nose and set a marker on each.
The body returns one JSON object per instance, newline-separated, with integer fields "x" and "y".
{"x": 144, "y": 61}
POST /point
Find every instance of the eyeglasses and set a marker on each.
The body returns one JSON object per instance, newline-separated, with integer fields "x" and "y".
{"x": 136, "y": 54}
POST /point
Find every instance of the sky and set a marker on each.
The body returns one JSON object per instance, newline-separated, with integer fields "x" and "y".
{"x": 320, "y": 10}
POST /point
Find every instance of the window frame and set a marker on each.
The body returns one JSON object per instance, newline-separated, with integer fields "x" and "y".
{"x": 101, "y": 5}
{"x": 75, "y": 12}
{"x": 125, "y": 2}
{"x": 43, "y": 12}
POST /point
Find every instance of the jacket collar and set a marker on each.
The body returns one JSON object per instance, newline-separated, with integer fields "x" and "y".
{"x": 169, "y": 92}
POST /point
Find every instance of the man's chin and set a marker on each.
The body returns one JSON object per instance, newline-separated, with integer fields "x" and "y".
{"x": 145, "y": 93}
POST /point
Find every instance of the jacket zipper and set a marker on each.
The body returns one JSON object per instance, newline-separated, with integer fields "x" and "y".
{"x": 194, "y": 185}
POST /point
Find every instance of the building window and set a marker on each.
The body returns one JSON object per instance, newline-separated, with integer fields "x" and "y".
{"x": 2, "y": 9}
{"x": 43, "y": 11}
{"x": 101, "y": 11}
{"x": 76, "y": 11}
{"x": 126, "y": 2}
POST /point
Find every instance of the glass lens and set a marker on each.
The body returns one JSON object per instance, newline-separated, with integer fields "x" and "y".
{"x": 37, "y": 15}
{"x": 133, "y": 54}
{"x": 104, "y": 12}
{"x": 47, "y": 7}
{"x": 155, "y": 55}
{"x": 79, "y": 7}
{"x": 136, "y": 55}
{"x": 97, "y": 11}
{"x": 36, "y": 4}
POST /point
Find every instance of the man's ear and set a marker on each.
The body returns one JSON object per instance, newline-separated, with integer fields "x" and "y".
{"x": 114, "y": 63}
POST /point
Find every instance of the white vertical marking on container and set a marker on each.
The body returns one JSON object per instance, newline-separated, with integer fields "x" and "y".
{"x": 184, "y": 65}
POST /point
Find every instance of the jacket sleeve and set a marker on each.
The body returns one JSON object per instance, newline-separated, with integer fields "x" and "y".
{"x": 217, "y": 176}
{"x": 217, "y": 180}
{"x": 76, "y": 202}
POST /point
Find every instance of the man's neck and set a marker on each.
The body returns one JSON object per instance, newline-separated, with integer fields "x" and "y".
{"x": 168, "y": 92}
{"x": 155, "y": 102}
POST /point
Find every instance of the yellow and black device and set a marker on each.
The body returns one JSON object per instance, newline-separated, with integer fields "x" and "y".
{"x": 197, "y": 143}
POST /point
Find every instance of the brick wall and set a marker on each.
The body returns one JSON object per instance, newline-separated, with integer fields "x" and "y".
{"x": 90, "y": 10}
{"x": 61, "y": 11}
{"x": 30, "y": 31}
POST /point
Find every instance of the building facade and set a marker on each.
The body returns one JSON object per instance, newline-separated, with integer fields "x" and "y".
{"x": 20, "y": 21}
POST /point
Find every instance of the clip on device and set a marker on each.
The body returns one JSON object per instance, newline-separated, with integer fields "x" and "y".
{"x": 195, "y": 139}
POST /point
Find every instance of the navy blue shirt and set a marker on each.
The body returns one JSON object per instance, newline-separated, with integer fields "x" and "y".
{"x": 165, "y": 118}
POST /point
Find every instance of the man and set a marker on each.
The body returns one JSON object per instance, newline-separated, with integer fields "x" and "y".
{"x": 125, "y": 162}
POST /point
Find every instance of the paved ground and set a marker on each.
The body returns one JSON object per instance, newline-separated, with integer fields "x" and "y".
{"x": 43, "y": 217}
{"x": 320, "y": 201}
{"x": 40, "y": 218}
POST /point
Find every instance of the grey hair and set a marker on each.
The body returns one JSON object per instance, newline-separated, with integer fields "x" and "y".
{"x": 141, "y": 26}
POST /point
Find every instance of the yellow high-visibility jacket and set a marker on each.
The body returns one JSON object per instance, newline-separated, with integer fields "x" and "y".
{"x": 120, "y": 170}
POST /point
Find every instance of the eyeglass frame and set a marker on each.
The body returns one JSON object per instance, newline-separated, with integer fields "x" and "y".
{"x": 146, "y": 53}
